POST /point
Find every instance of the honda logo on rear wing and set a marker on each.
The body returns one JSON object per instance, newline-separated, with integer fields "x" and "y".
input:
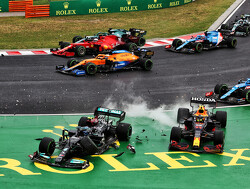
{"x": 202, "y": 100}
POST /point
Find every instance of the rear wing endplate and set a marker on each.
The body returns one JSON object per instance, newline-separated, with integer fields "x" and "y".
{"x": 110, "y": 112}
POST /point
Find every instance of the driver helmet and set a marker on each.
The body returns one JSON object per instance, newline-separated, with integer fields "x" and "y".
{"x": 201, "y": 109}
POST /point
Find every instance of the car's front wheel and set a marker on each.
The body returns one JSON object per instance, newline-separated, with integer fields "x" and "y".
{"x": 47, "y": 146}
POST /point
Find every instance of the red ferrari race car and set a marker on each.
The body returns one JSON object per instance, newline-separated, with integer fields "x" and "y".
{"x": 100, "y": 43}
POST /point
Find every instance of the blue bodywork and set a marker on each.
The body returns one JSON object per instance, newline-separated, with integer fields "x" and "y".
{"x": 212, "y": 37}
{"x": 236, "y": 87}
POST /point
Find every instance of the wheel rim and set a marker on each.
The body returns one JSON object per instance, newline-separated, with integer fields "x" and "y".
{"x": 81, "y": 51}
{"x": 132, "y": 47}
{"x": 199, "y": 47}
{"x": 91, "y": 69}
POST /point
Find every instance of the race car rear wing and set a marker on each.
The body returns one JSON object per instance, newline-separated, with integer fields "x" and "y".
{"x": 110, "y": 112}
{"x": 199, "y": 100}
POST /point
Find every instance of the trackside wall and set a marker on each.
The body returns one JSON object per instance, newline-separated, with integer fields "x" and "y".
{"x": 84, "y": 7}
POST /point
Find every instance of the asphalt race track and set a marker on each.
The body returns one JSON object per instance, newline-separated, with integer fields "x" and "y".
{"x": 30, "y": 85}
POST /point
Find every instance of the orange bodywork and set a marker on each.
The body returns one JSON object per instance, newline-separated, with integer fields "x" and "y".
{"x": 100, "y": 59}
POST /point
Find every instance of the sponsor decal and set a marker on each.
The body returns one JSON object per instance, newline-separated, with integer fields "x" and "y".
{"x": 155, "y": 6}
{"x": 115, "y": 112}
{"x": 129, "y": 7}
{"x": 66, "y": 11}
{"x": 0, "y": 9}
{"x": 187, "y": 1}
{"x": 200, "y": 99}
{"x": 172, "y": 4}
{"x": 98, "y": 9}
{"x": 247, "y": 87}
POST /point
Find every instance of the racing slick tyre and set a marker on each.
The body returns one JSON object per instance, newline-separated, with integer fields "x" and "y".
{"x": 83, "y": 121}
{"x": 64, "y": 44}
{"x": 246, "y": 30}
{"x": 141, "y": 42}
{"x": 218, "y": 137}
{"x": 176, "y": 43}
{"x": 175, "y": 134}
{"x": 224, "y": 27}
{"x": 183, "y": 113}
{"x": 221, "y": 116}
{"x": 80, "y": 50}
{"x": 220, "y": 89}
{"x": 246, "y": 95}
{"x": 76, "y": 38}
{"x": 146, "y": 64}
{"x": 124, "y": 131}
{"x": 130, "y": 46}
{"x": 231, "y": 42}
{"x": 88, "y": 145}
{"x": 47, "y": 146}
{"x": 72, "y": 62}
{"x": 90, "y": 68}
{"x": 198, "y": 47}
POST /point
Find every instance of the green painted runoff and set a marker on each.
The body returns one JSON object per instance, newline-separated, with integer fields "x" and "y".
{"x": 153, "y": 166}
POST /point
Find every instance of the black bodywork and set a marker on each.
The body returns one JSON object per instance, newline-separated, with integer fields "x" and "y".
{"x": 92, "y": 136}
{"x": 200, "y": 127}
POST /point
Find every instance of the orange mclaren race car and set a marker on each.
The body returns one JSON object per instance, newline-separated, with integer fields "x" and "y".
{"x": 116, "y": 60}
{"x": 200, "y": 126}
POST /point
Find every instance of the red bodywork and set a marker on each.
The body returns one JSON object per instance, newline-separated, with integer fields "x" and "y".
{"x": 104, "y": 43}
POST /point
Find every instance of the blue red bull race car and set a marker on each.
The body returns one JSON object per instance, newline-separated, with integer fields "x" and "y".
{"x": 209, "y": 40}
{"x": 202, "y": 129}
{"x": 238, "y": 94}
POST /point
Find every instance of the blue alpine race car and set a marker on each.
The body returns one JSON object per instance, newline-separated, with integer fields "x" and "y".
{"x": 238, "y": 94}
{"x": 209, "y": 40}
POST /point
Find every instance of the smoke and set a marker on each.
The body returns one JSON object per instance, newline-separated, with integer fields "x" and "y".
{"x": 136, "y": 106}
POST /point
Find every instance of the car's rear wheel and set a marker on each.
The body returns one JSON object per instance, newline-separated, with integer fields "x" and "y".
{"x": 231, "y": 42}
{"x": 130, "y": 46}
{"x": 220, "y": 89}
{"x": 221, "y": 116}
{"x": 88, "y": 145}
{"x": 246, "y": 95}
{"x": 76, "y": 38}
{"x": 47, "y": 146}
{"x": 124, "y": 131}
{"x": 80, "y": 50}
{"x": 246, "y": 30}
{"x": 183, "y": 113}
{"x": 72, "y": 62}
{"x": 146, "y": 64}
{"x": 64, "y": 44}
{"x": 176, "y": 43}
{"x": 175, "y": 134}
{"x": 218, "y": 137}
{"x": 83, "y": 121}
{"x": 90, "y": 68}
{"x": 141, "y": 41}
{"x": 224, "y": 27}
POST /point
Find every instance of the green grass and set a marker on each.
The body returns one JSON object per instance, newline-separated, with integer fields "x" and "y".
{"x": 19, "y": 32}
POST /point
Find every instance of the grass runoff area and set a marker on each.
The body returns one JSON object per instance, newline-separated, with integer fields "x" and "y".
{"x": 23, "y": 33}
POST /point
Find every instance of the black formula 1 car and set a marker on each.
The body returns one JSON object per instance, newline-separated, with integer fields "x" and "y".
{"x": 92, "y": 136}
{"x": 200, "y": 127}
